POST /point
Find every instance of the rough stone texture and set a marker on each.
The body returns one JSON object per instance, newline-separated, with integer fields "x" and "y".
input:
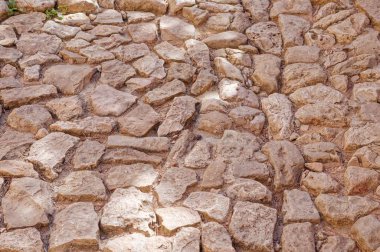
{"x": 298, "y": 237}
{"x": 22, "y": 240}
{"x": 366, "y": 232}
{"x": 174, "y": 30}
{"x": 173, "y": 218}
{"x": 155, "y": 6}
{"x": 266, "y": 36}
{"x": 16, "y": 169}
{"x": 338, "y": 243}
{"x": 249, "y": 190}
{"x": 87, "y": 155}
{"x": 298, "y": 207}
{"x": 91, "y": 125}
{"x": 216, "y": 238}
{"x": 358, "y": 180}
{"x": 73, "y": 6}
{"x": 151, "y": 144}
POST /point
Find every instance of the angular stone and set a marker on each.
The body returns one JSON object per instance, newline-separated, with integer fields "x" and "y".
{"x": 360, "y": 136}
{"x": 349, "y": 28}
{"x": 128, "y": 208}
{"x": 16, "y": 169}
{"x": 187, "y": 239}
{"x": 127, "y": 53}
{"x": 237, "y": 145}
{"x": 227, "y": 70}
{"x": 32, "y": 73}
{"x": 169, "y": 53}
{"x": 287, "y": 162}
{"x": 323, "y": 114}
{"x": 319, "y": 182}
{"x": 366, "y": 92}
{"x": 40, "y": 58}
{"x": 31, "y": 43}
{"x": 298, "y": 207}
{"x": 109, "y": 16}
{"x": 214, "y": 206}
{"x": 9, "y": 55}
{"x": 129, "y": 156}
{"x": 115, "y": 73}
{"x": 181, "y": 71}
{"x": 75, "y": 227}
{"x": 338, "y": 244}
{"x": 302, "y": 54}
{"x": 14, "y": 141}
{"x": 138, "y": 242}
{"x": 358, "y": 180}
{"x": 173, "y": 185}
{"x": 198, "y": 52}
{"x": 355, "y": 65}
{"x": 234, "y": 91}
{"x": 204, "y": 81}
{"x": 75, "y": 19}
{"x": 257, "y": 9}
{"x": 249, "y": 190}
{"x": 22, "y": 240}
{"x": 74, "y": 6}
{"x": 226, "y": 39}
{"x": 27, "y": 195}
{"x": 173, "y": 218}
{"x": 24, "y": 23}
{"x": 328, "y": 20}
{"x": 91, "y": 125}
{"x": 106, "y": 101}
{"x": 138, "y": 175}
{"x": 96, "y": 54}
{"x": 292, "y": 29}
{"x": 150, "y": 66}
{"x": 140, "y": 84}
{"x": 66, "y": 108}
{"x": 195, "y": 15}
{"x": 9, "y": 82}
{"x": 49, "y": 153}
{"x": 249, "y": 168}
{"x": 7, "y": 35}
{"x": 156, "y": 6}
{"x": 367, "y": 156}
{"x": 252, "y": 225}
{"x": 343, "y": 210}
{"x": 160, "y": 95}
{"x": 175, "y": 31}
{"x": 213, "y": 175}
{"x": 366, "y": 232}
{"x": 143, "y": 32}
{"x": 81, "y": 186}
{"x": 215, "y": 238}
{"x": 106, "y": 30}
{"x": 278, "y": 110}
{"x": 61, "y": 31}
{"x": 266, "y": 36}
{"x": 181, "y": 110}
{"x": 220, "y": 7}
{"x": 199, "y": 156}
{"x": 266, "y": 77}
{"x": 80, "y": 75}
{"x": 319, "y": 93}
{"x": 297, "y": 7}
{"x": 152, "y": 144}
{"x": 29, "y": 118}
{"x": 113, "y": 40}
{"x": 219, "y": 22}
{"x": 87, "y": 155}
{"x": 372, "y": 9}
{"x": 298, "y": 237}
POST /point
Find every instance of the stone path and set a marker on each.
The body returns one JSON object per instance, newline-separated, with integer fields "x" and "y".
{"x": 190, "y": 125}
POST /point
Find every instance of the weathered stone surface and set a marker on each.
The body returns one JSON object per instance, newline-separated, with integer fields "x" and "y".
{"x": 88, "y": 154}
{"x": 296, "y": 7}
{"x": 266, "y": 36}
{"x": 358, "y": 180}
{"x": 66, "y": 108}
{"x": 249, "y": 190}
{"x": 233, "y": 91}
{"x": 173, "y": 218}
{"x": 73, "y": 6}
{"x": 127, "y": 53}
{"x": 339, "y": 244}
{"x": 137, "y": 242}
{"x": 16, "y": 169}
{"x": 298, "y": 237}
{"x": 153, "y": 144}
{"x": 204, "y": 81}
{"x": 366, "y": 92}
{"x": 357, "y": 137}
{"x": 213, "y": 206}
{"x": 315, "y": 94}
{"x": 173, "y": 185}
{"x": 292, "y": 29}
{"x": 49, "y": 153}
{"x": 266, "y": 77}
{"x": 278, "y": 110}
{"x": 107, "y": 101}
{"x": 298, "y": 207}
{"x": 9, "y": 55}
{"x": 150, "y": 66}
{"x": 302, "y": 54}
{"x": 215, "y": 238}
{"x": 169, "y": 53}
{"x": 252, "y": 225}
{"x": 187, "y": 239}
{"x": 24, "y": 23}
{"x": 199, "y": 156}
{"x": 143, "y": 32}
{"x": 366, "y": 232}
{"x": 319, "y": 182}
{"x": 7, "y": 35}
{"x": 367, "y": 156}
{"x": 31, "y": 43}
{"x": 115, "y": 73}
{"x": 355, "y": 65}
{"x": 29, "y": 118}
{"x": 155, "y": 6}
{"x": 324, "y": 114}
{"x": 80, "y": 75}
{"x": 75, "y": 227}
{"x": 299, "y": 75}
{"x": 225, "y": 69}
{"x": 61, "y": 31}
{"x": 129, "y": 156}
{"x": 128, "y": 208}
{"x": 372, "y": 9}
{"x": 181, "y": 71}
{"x": 226, "y": 39}
{"x": 109, "y": 16}
{"x": 13, "y": 141}
{"x": 349, "y": 28}
{"x": 40, "y": 58}
{"x": 91, "y": 125}
{"x": 257, "y": 9}
{"x": 96, "y": 54}
{"x": 341, "y": 210}
{"x": 160, "y": 95}
{"x": 27, "y": 195}
{"x": 22, "y": 240}
{"x": 213, "y": 175}
{"x": 287, "y": 162}
{"x": 81, "y": 186}
{"x": 198, "y": 52}
{"x": 137, "y": 175}
{"x": 194, "y": 14}
{"x": 175, "y": 30}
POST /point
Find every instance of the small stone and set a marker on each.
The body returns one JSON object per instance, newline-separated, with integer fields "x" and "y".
{"x": 358, "y": 180}
{"x": 198, "y": 52}
{"x": 173, "y": 218}
{"x": 297, "y": 7}
{"x": 248, "y": 118}
{"x": 9, "y": 82}
{"x": 249, "y": 190}
{"x": 32, "y": 73}
{"x": 80, "y": 75}
{"x": 298, "y": 237}
{"x": 175, "y": 31}
{"x": 138, "y": 175}
{"x": 109, "y": 17}
{"x": 75, "y": 227}
{"x": 143, "y": 32}
{"x": 227, "y": 70}
{"x": 357, "y": 137}
{"x": 66, "y": 108}
{"x": 129, "y": 156}
{"x": 366, "y": 92}
{"x": 164, "y": 93}
{"x": 342, "y": 210}
{"x": 266, "y": 77}
{"x": 13, "y": 142}
{"x": 106, "y": 101}
{"x": 233, "y": 91}
{"x": 298, "y": 207}
{"x": 169, "y": 53}
{"x": 214, "y": 122}
{"x": 88, "y": 154}
{"x": 31, "y": 43}
{"x": 292, "y": 29}
{"x": 213, "y": 206}
{"x": 29, "y": 118}
{"x": 173, "y": 185}
{"x": 252, "y": 225}
{"x": 257, "y": 9}
{"x": 338, "y": 244}
{"x": 17, "y": 169}
{"x": 323, "y": 152}
{"x": 152, "y": 144}
{"x": 27, "y": 195}
{"x": 213, "y": 175}
{"x": 9, "y": 55}
{"x": 226, "y": 39}
{"x": 61, "y": 31}
{"x": 187, "y": 239}
{"x": 266, "y": 36}
{"x": 195, "y": 15}
{"x": 199, "y": 156}
{"x": 319, "y": 182}
{"x": 181, "y": 110}
{"x": 127, "y": 53}
{"x": 139, "y": 16}
{"x": 96, "y": 54}
{"x": 181, "y": 71}
{"x": 115, "y": 73}
{"x": 41, "y": 133}
{"x": 302, "y": 54}
{"x": 81, "y": 186}
{"x": 113, "y": 41}
{"x": 150, "y": 66}
{"x": 366, "y": 232}
{"x": 25, "y": 23}
{"x": 75, "y": 19}
{"x": 177, "y": 5}
{"x": 90, "y": 125}
{"x": 215, "y": 238}
{"x": 74, "y": 6}
{"x": 367, "y": 156}
{"x": 49, "y": 153}
{"x": 27, "y": 239}
{"x": 8, "y": 71}
{"x": 158, "y": 7}
{"x": 7, "y": 35}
